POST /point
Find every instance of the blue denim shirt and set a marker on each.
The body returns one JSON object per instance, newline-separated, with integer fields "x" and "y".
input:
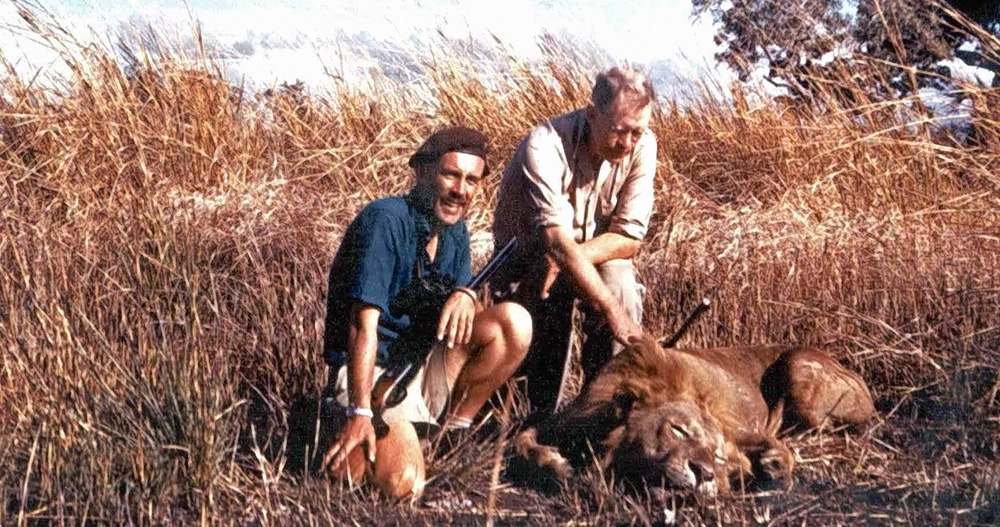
{"x": 375, "y": 262}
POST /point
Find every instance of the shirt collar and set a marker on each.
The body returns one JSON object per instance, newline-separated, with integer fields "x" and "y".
{"x": 420, "y": 214}
{"x": 581, "y": 132}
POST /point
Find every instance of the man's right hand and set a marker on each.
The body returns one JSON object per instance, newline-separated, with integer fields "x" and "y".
{"x": 622, "y": 326}
{"x": 359, "y": 430}
{"x": 564, "y": 254}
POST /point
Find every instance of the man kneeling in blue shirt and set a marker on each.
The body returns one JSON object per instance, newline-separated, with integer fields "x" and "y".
{"x": 390, "y": 242}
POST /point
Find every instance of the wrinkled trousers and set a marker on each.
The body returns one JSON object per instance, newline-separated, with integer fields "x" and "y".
{"x": 547, "y": 363}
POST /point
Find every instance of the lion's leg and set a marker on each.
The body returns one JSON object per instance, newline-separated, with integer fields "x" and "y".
{"x": 821, "y": 390}
{"x": 775, "y": 461}
{"x": 761, "y": 455}
{"x": 766, "y": 459}
{"x": 546, "y": 457}
{"x": 818, "y": 391}
{"x": 577, "y": 429}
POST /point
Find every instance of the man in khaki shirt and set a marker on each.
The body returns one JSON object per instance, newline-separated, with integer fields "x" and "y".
{"x": 578, "y": 194}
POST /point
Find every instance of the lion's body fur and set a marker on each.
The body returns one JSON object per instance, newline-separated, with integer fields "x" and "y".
{"x": 698, "y": 413}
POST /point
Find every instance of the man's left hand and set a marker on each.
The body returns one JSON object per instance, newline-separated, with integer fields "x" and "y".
{"x": 457, "y": 316}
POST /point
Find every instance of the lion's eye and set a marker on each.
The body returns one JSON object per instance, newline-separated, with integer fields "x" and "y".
{"x": 680, "y": 431}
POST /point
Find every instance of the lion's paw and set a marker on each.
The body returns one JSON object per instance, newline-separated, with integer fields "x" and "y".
{"x": 544, "y": 457}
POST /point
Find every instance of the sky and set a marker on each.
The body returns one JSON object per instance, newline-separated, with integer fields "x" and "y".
{"x": 271, "y": 41}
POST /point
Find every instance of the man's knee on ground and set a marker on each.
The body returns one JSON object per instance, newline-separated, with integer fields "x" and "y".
{"x": 399, "y": 462}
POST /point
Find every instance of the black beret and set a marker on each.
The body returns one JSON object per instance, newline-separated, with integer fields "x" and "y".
{"x": 454, "y": 139}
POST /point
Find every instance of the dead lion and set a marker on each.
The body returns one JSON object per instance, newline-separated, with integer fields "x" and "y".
{"x": 697, "y": 419}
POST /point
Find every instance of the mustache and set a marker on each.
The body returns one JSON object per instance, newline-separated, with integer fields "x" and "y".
{"x": 456, "y": 200}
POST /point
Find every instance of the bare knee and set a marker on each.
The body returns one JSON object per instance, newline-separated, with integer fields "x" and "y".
{"x": 399, "y": 469}
{"x": 503, "y": 330}
{"x": 515, "y": 322}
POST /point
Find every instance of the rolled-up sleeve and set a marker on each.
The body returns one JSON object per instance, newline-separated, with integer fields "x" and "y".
{"x": 375, "y": 239}
{"x": 544, "y": 167}
{"x": 635, "y": 199}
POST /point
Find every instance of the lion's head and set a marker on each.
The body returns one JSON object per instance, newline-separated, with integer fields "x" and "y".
{"x": 673, "y": 445}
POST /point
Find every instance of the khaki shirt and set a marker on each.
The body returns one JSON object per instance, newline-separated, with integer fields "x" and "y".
{"x": 550, "y": 182}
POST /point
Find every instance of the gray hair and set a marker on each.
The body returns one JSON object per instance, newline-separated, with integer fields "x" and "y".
{"x": 633, "y": 86}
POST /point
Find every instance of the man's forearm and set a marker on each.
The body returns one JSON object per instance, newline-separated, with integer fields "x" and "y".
{"x": 362, "y": 347}
{"x": 578, "y": 267}
{"x": 361, "y": 371}
{"x": 609, "y": 246}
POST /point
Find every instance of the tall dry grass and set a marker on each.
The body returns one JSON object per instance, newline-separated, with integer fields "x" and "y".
{"x": 165, "y": 238}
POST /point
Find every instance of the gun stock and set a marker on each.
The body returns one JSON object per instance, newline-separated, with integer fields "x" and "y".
{"x": 390, "y": 387}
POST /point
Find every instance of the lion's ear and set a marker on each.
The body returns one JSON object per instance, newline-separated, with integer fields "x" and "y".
{"x": 623, "y": 400}
{"x": 774, "y": 419}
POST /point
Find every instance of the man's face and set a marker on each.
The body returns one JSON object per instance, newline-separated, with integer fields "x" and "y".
{"x": 614, "y": 133}
{"x": 449, "y": 185}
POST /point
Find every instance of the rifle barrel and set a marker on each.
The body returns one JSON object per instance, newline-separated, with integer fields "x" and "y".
{"x": 396, "y": 390}
{"x": 491, "y": 267}
{"x": 701, "y": 308}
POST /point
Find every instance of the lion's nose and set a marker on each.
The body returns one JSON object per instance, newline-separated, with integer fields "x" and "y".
{"x": 702, "y": 472}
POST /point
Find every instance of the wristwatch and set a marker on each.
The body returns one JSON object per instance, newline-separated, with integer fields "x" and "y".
{"x": 353, "y": 410}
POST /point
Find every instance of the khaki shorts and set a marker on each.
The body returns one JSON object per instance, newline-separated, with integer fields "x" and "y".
{"x": 426, "y": 396}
